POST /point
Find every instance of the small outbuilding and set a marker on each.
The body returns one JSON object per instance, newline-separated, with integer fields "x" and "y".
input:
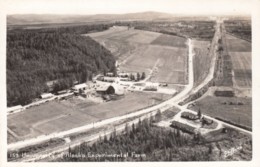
{"x": 46, "y": 95}
{"x": 80, "y": 87}
{"x": 15, "y": 109}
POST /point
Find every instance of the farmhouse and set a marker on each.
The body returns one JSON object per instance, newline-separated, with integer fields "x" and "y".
{"x": 14, "y": 109}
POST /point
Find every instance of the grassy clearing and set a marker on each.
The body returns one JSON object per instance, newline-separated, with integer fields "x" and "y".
{"x": 227, "y": 108}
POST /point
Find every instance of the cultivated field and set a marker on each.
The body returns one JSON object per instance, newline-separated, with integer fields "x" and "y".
{"x": 233, "y": 109}
{"x": 64, "y": 115}
{"x": 170, "y": 40}
{"x": 201, "y": 60}
{"x": 242, "y": 68}
{"x": 142, "y": 51}
{"x": 235, "y": 44}
{"x": 240, "y": 53}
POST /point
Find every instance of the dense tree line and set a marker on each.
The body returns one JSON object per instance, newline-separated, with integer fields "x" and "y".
{"x": 37, "y": 56}
{"x": 155, "y": 144}
{"x": 73, "y": 29}
{"x": 239, "y": 28}
{"x": 193, "y": 29}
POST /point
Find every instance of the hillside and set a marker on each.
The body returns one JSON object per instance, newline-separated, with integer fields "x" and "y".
{"x": 49, "y": 18}
{"x": 35, "y": 57}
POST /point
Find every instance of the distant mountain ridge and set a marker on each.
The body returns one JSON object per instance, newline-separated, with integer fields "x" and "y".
{"x": 21, "y": 19}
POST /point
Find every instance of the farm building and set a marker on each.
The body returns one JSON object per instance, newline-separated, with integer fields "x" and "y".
{"x": 109, "y": 74}
{"x": 105, "y": 89}
{"x": 46, "y": 95}
{"x": 80, "y": 87}
{"x": 110, "y": 79}
{"x": 14, "y": 109}
{"x": 109, "y": 89}
{"x": 151, "y": 85}
{"x": 123, "y": 74}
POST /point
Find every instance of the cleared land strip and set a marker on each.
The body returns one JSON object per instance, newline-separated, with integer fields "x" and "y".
{"x": 212, "y": 52}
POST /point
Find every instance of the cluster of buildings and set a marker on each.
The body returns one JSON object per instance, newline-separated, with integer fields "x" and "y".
{"x": 101, "y": 87}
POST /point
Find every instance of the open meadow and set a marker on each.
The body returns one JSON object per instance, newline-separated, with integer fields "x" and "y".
{"x": 143, "y": 51}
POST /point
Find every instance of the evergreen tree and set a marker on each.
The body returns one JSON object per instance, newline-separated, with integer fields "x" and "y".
{"x": 199, "y": 113}
{"x": 138, "y": 77}
{"x": 143, "y": 76}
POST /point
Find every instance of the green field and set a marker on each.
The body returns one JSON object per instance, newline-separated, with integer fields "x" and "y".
{"x": 64, "y": 115}
{"x": 227, "y": 108}
{"x": 141, "y": 51}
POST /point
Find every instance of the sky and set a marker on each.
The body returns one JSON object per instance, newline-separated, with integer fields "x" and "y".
{"x": 82, "y": 7}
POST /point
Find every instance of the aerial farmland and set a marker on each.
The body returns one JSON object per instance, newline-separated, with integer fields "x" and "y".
{"x": 172, "y": 90}
{"x": 146, "y": 52}
{"x": 235, "y": 78}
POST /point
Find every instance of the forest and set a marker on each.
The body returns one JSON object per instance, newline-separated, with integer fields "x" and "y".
{"x": 141, "y": 142}
{"x": 35, "y": 57}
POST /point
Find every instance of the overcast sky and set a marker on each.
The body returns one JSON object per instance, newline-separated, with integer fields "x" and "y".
{"x": 127, "y": 6}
